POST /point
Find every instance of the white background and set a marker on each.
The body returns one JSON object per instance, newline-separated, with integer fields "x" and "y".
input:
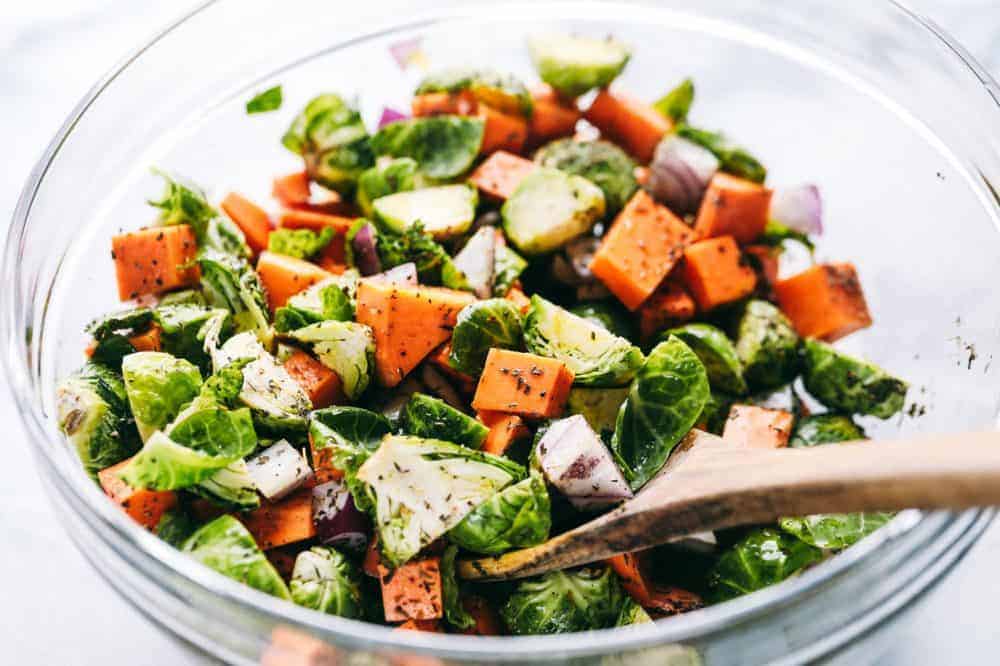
{"x": 54, "y": 609}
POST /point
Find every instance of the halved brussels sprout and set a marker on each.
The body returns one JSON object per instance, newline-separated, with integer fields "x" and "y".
{"x": 184, "y": 203}
{"x": 226, "y": 546}
{"x": 329, "y": 299}
{"x": 331, "y": 137}
{"x": 564, "y": 601}
{"x": 825, "y": 429}
{"x": 431, "y": 418}
{"x": 443, "y": 146}
{"x": 346, "y": 347}
{"x": 664, "y": 402}
{"x": 230, "y": 487}
{"x": 418, "y": 489}
{"x": 763, "y": 557}
{"x": 347, "y": 435}
{"x": 519, "y": 516}
{"x": 767, "y": 346}
{"x": 92, "y": 411}
{"x": 598, "y": 406}
{"x": 596, "y": 356}
{"x": 182, "y": 331}
{"x": 574, "y": 64}
{"x": 850, "y": 384}
{"x": 835, "y": 531}
{"x": 388, "y": 176}
{"x": 158, "y": 386}
{"x": 601, "y": 162}
{"x": 503, "y": 92}
{"x": 444, "y": 211}
{"x": 326, "y": 581}
{"x": 550, "y": 208}
{"x": 717, "y": 353}
{"x": 482, "y": 326}
{"x": 231, "y": 283}
{"x": 610, "y": 315}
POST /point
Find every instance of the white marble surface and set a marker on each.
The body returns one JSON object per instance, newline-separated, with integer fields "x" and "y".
{"x": 54, "y": 608}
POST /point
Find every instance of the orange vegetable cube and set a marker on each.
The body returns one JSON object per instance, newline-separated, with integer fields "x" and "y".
{"x": 145, "y": 507}
{"x": 505, "y": 430}
{"x": 752, "y": 427}
{"x": 629, "y": 122}
{"x": 733, "y": 207}
{"x": 462, "y": 103}
{"x": 432, "y": 626}
{"x": 825, "y": 301}
{"x": 293, "y": 189}
{"x": 291, "y": 647}
{"x": 500, "y": 174}
{"x": 408, "y": 323}
{"x": 321, "y": 383}
{"x": 517, "y": 296}
{"x": 323, "y": 469}
{"x": 155, "y": 260}
{"x": 643, "y": 245}
{"x": 502, "y": 131}
{"x": 552, "y": 117}
{"x": 716, "y": 273}
{"x": 523, "y": 384}
{"x": 284, "y": 276}
{"x": 413, "y": 591}
{"x": 280, "y": 523}
{"x": 252, "y": 220}
{"x": 148, "y": 341}
{"x": 670, "y": 305}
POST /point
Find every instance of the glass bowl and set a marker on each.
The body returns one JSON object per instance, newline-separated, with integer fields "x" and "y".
{"x": 895, "y": 121}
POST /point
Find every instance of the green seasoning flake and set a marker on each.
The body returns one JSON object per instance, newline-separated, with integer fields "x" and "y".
{"x": 269, "y": 100}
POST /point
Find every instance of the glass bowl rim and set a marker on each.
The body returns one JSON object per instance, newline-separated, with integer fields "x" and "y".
{"x": 95, "y": 507}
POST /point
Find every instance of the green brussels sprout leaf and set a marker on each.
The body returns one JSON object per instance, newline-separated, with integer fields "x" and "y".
{"x": 574, "y": 64}
{"x": 430, "y": 418}
{"x": 346, "y": 347}
{"x": 326, "y": 581}
{"x": 158, "y": 386}
{"x": 268, "y": 100}
{"x": 226, "y": 546}
{"x": 716, "y": 353}
{"x": 519, "y": 516}
{"x": 443, "y": 146}
{"x": 676, "y": 104}
{"x": 849, "y": 384}
{"x": 299, "y": 243}
{"x": 564, "y": 601}
{"x": 481, "y": 326}
{"x": 763, "y": 557}
{"x": 767, "y": 346}
{"x": 601, "y": 162}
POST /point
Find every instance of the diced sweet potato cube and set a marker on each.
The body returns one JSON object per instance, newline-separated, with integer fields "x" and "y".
{"x": 825, "y": 301}
{"x": 670, "y": 305}
{"x": 500, "y": 174}
{"x": 716, "y": 273}
{"x": 284, "y": 276}
{"x": 517, "y": 296}
{"x": 523, "y": 384}
{"x": 753, "y": 427}
{"x": 672, "y": 600}
{"x": 155, "y": 260}
{"x": 145, "y": 507}
{"x": 321, "y": 383}
{"x": 733, "y": 207}
{"x": 291, "y": 647}
{"x": 629, "y": 122}
{"x": 293, "y": 189}
{"x": 552, "y": 117}
{"x": 147, "y": 341}
{"x": 434, "y": 104}
{"x": 431, "y": 626}
{"x": 252, "y": 220}
{"x": 505, "y": 430}
{"x": 643, "y": 245}
{"x": 408, "y": 323}
{"x": 502, "y": 131}
{"x": 413, "y": 591}
{"x": 280, "y": 523}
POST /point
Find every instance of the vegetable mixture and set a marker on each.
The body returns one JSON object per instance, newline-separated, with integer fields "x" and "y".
{"x": 468, "y": 330}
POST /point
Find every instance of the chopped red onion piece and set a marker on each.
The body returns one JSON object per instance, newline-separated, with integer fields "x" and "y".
{"x": 679, "y": 174}
{"x": 363, "y": 248}
{"x": 338, "y": 521}
{"x": 278, "y": 470}
{"x": 579, "y": 465}
{"x": 404, "y": 275}
{"x": 390, "y": 115}
{"x": 799, "y": 208}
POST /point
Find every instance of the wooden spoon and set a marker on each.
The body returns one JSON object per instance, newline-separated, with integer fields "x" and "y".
{"x": 707, "y": 484}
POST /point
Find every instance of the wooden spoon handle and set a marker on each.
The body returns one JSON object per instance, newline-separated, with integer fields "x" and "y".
{"x": 745, "y": 486}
